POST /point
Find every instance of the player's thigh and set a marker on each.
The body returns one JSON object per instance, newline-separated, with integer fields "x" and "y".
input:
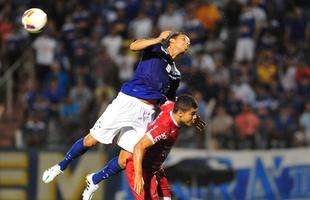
{"x": 124, "y": 111}
{"x": 128, "y": 138}
{"x": 130, "y": 173}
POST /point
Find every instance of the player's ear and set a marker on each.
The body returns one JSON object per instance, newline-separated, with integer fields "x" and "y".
{"x": 180, "y": 113}
{"x": 171, "y": 40}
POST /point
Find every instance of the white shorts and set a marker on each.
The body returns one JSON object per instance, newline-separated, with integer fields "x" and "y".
{"x": 127, "y": 116}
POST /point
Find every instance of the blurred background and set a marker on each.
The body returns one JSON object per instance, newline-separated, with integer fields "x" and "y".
{"x": 248, "y": 68}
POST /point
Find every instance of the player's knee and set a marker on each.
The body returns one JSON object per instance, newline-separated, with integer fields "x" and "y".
{"x": 89, "y": 141}
{"x": 122, "y": 158}
{"x": 122, "y": 163}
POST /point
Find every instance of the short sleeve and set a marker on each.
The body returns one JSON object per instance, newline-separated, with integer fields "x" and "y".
{"x": 158, "y": 132}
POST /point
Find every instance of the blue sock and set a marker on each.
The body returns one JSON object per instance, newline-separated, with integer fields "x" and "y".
{"x": 111, "y": 169}
{"x": 76, "y": 150}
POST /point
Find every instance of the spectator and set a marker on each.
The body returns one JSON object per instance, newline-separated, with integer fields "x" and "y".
{"x": 81, "y": 95}
{"x": 112, "y": 42}
{"x": 247, "y": 124}
{"x": 141, "y": 26}
{"x": 125, "y": 64}
{"x": 245, "y": 71}
{"x": 100, "y": 62}
{"x": 59, "y": 74}
{"x": 285, "y": 126}
{"x": 232, "y": 11}
{"x": 304, "y": 123}
{"x": 45, "y": 47}
{"x": 53, "y": 94}
{"x": 233, "y": 104}
{"x": 264, "y": 104}
{"x": 297, "y": 27}
{"x": 193, "y": 27}
{"x": 14, "y": 44}
{"x": 243, "y": 90}
{"x": 6, "y": 27}
{"x": 245, "y": 43}
{"x": 259, "y": 15}
{"x": 81, "y": 50}
{"x": 222, "y": 73}
{"x": 266, "y": 69}
{"x": 221, "y": 127}
{"x": 34, "y": 130}
{"x": 69, "y": 33}
{"x": 81, "y": 17}
{"x": 70, "y": 118}
{"x": 171, "y": 19}
{"x": 209, "y": 15}
{"x": 303, "y": 79}
{"x": 288, "y": 81}
{"x": 204, "y": 62}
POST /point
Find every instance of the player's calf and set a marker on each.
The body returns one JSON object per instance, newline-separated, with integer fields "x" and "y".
{"x": 77, "y": 149}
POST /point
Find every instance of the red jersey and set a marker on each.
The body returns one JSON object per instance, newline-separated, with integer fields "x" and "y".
{"x": 163, "y": 132}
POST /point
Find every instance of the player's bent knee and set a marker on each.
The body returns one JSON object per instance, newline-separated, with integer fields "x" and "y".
{"x": 122, "y": 158}
{"x": 89, "y": 141}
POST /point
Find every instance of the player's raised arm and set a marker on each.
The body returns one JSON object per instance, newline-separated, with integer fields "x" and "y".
{"x": 138, "y": 154}
{"x": 141, "y": 44}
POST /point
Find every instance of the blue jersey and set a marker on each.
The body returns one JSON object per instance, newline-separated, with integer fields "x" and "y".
{"x": 156, "y": 76}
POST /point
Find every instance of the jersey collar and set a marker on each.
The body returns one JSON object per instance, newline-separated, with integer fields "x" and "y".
{"x": 164, "y": 50}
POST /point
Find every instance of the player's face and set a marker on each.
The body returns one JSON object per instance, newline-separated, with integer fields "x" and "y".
{"x": 182, "y": 43}
{"x": 188, "y": 117}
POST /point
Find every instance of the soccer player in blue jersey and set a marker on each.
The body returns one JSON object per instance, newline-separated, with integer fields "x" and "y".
{"x": 128, "y": 116}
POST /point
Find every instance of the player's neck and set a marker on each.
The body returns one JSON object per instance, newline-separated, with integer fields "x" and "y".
{"x": 176, "y": 119}
{"x": 172, "y": 52}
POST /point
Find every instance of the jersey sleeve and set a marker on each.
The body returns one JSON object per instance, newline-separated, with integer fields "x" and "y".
{"x": 158, "y": 131}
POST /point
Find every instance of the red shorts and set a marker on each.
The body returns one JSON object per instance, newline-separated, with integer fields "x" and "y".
{"x": 155, "y": 184}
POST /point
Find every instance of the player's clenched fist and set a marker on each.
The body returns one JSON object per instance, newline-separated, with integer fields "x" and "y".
{"x": 199, "y": 123}
{"x": 164, "y": 35}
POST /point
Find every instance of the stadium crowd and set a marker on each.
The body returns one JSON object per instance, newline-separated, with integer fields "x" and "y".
{"x": 248, "y": 68}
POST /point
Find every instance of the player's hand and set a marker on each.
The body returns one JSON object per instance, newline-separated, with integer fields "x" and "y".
{"x": 138, "y": 186}
{"x": 164, "y": 35}
{"x": 199, "y": 124}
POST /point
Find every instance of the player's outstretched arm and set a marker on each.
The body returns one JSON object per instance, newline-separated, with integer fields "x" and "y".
{"x": 138, "y": 154}
{"x": 141, "y": 44}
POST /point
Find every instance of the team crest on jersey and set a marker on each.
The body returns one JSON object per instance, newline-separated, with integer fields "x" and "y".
{"x": 168, "y": 68}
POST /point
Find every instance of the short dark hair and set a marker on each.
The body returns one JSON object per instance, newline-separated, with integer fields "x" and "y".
{"x": 184, "y": 103}
{"x": 166, "y": 42}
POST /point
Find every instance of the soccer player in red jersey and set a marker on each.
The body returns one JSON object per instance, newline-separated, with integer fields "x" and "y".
{"x": 144, "y": 170}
